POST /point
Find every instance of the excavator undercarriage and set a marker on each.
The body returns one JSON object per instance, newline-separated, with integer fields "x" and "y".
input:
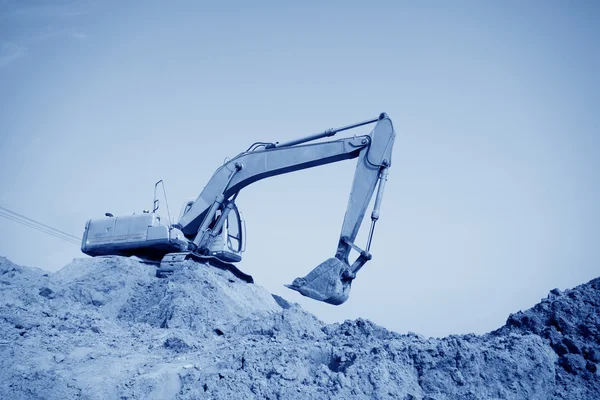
{"x": 211, "y": 229}
{"x": 172, "y": 261}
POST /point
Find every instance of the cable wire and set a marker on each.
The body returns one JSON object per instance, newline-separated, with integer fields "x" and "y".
{"x": 13, "y": 216}
{"x": 39, "y": 223}
{"x": 39, "y": 229}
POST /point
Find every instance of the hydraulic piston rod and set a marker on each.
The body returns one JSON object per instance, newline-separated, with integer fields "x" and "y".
{"x": 327, "y": 133}
{"x": 375, "y": 214}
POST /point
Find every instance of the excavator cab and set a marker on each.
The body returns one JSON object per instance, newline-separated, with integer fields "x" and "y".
{"x": 230, "y": 243}
{"x": 228, "y": 232}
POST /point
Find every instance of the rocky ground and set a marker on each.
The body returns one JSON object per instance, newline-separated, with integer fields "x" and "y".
{"x": 106, "y": 328}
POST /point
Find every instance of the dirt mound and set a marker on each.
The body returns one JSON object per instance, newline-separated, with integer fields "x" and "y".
{"x": 107, "y": 328}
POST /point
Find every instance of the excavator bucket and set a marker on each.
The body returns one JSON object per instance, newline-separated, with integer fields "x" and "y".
{"x": 329, "y": 282}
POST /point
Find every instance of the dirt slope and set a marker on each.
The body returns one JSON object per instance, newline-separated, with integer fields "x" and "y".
{"x": 108, "y": 329}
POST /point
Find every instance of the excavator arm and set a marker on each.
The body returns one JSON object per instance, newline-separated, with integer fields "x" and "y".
{"x": 331, "y": 280}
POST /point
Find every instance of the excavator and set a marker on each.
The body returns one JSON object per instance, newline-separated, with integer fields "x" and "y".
{"x": 211, "y": 229}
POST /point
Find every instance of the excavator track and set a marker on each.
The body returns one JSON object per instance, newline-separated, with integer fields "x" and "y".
{"x": 172, "y": 262}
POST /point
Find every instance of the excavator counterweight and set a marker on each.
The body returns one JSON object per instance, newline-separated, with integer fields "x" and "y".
{"x": 211, "y": 229}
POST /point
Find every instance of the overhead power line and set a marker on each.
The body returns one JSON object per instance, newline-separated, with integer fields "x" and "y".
{"x": 13, "y": 216}
{"x": 36, "y": 227}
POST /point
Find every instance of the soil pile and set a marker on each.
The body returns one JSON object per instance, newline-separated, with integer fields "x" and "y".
{"x": 107, "y": 328}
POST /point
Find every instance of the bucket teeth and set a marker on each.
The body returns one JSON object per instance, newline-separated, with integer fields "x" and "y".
{"x": 328, "y": 282}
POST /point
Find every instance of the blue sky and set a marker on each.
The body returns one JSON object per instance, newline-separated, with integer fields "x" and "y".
{"x": 492, "y": 196}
